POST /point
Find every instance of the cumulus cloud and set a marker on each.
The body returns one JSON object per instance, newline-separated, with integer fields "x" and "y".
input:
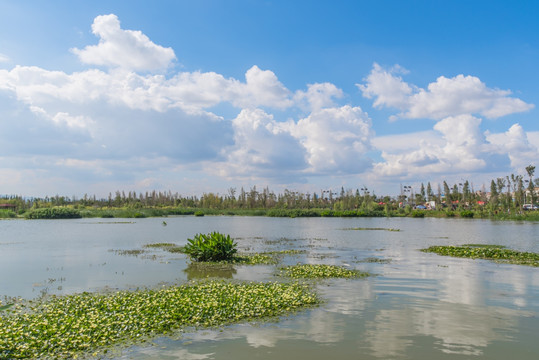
{"x": 446, "y": 97}
{"x": 129, "y": 123}
{"x": 521, "y": 148}
{"x": 318, "y": 96}
{"x": 123, "y": 48}
{"x": 336, "y": 139}
{"x": 262, "y": 147}
{"x": 328, "y": 141}
{"x": 386, "y": 88}
{"x": 457, "y": 145}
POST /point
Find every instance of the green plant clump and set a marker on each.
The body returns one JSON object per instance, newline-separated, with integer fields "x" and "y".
{"x": 88, "y": 324}
{"x": 53, "y": 213}
{"x": 319, "y": 271}
{"x": 487, "y": 252}
{"x": 466, "y": 214}
{"x": 211, "y": 247}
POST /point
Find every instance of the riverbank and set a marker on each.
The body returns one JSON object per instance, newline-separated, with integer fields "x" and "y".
{"x": 66, "y": 212}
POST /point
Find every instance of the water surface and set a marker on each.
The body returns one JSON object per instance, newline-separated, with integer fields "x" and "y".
{"x": 419, "y": 306}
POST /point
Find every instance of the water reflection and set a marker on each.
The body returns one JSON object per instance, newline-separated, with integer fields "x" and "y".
{"x": 204, "y": 270}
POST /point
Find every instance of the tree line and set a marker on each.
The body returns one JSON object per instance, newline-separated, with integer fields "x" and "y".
{"x": 505, "y": 193}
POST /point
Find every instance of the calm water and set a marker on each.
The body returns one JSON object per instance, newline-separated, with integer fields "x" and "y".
{"x": 419, "y": 306}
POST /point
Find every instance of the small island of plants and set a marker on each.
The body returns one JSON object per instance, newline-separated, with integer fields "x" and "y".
{"x": 487, "y": 252}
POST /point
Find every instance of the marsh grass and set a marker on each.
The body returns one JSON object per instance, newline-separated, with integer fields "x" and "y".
{"x": 89, "y": 324}
{"x": 319, "y": 271}
{"x": 496, "y": 253}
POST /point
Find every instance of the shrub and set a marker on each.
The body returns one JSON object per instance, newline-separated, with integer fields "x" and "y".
{"x": 211, "y": 247}
{"x": 466, "y": 214}
{"x": 53, "y": 213}
{"x": 7, "y": 214}
{"x": 418, "y": 214}
{"x": 199, "y": 213}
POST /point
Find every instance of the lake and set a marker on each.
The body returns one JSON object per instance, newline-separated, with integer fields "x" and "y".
{"x": 417, "y": 306}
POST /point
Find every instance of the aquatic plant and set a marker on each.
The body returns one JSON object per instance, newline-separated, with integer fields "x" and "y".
{"x": 211, "y": 247}
{"x": 488, "y": 252}
{"x": 317, "y": 271}
{"x": 160, "y": 245}
{"x": 68, "y": 326}
{"x": 132, "y": 252}
{"x": 255, "y": 259}
{"x": 375, "y": 228}
{"x": 376, "y": 260}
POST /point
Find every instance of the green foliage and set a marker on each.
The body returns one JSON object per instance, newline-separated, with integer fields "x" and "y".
{"x": 53, "y": 213}
{"x": 211, "y": 247}
{"x": 418, "y": 214}
{"x": 6, "y": 214}
{"x": 89, "y": 324}
{"x": 318, "y": 271}
{"x": 199, "y": 213}
{"x": 488, "y": 252}
{"x": 466, "y": 214}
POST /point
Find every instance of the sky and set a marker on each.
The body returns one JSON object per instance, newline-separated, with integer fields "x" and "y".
{"x": 203, "y": 96}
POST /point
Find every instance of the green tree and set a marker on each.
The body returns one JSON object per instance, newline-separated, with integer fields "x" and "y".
{"x": 530, "y": 169}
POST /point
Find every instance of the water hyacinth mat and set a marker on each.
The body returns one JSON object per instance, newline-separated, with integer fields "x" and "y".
{"x": 85, "y": 324}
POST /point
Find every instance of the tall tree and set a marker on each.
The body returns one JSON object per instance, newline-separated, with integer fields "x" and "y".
{"x": 530, "y": 169}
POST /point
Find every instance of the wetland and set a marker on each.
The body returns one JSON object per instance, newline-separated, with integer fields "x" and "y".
{"x": 417, "y": 304}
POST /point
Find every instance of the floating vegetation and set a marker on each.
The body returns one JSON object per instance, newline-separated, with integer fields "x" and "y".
{"x": 133, "y": 252}
{"x": 285, "y": 252}
{"x": 497, "y": 253}
{"x": 90, "y": 324}
{"x": 369, "y": 228}
{"x": 175, "y": 249}
{"x": 114, "y": 222}
{"x": 160, "y": 245}
{"x": 5, "y": 307}
{"x": 485, "y": 246}
{"x": 255, "y": 259}
{"x": 318, "y": 271}
{"x": 376, "y": 260}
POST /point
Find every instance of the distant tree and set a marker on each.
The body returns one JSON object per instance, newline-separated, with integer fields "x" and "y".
{"x": 429, "y": 192}
{"x": 530, "y": 169}
{"x": 447, "y": 192}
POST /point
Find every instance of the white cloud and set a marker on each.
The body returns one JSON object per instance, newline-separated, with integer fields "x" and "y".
{"x": 118, "y": 126}
{"x": 123, "y": 48}
{"x": 4, "y": 58}
{"x": 522, "y": 148}
{"x": 318, "y": 96}
{"x": 262, "y": 88}
{"x": 336, "y": 139}
{"x": 328, "y": 141}
{"x": 263, "y": 148}
{"x": 458, "y": 146}
{"x": 445, "y": 97}
{"x": 387, "y": 89}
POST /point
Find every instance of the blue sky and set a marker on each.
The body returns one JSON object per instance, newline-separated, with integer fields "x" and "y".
{"x": 200, "y": 96}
